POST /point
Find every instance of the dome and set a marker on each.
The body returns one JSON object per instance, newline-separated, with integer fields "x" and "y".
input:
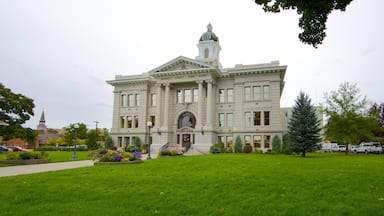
{"x": 209, "y": 35}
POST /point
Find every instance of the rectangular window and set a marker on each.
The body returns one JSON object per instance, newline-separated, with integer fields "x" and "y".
{"x": 153, "y": 120}
{"x": 187, "y": 96}
{"x": 153, "y": 100}
{"x": 256, "y": 118}
{"x": 229, "y": 120}
{"x": 247, "y": 93}
{"x": 179, "y": 96}
{"x": 267, "y": 140}
{"x": 229, "y": 141}
{"x": 230, "y": 95}
{"x": 247, "y": 118}
{"x": 257, "y": 141}
{"x": 122, "y": 122}
{"x": 120, "y": 141}
{"x": 131, "y": 100}
{"x": 195, "y": 95}
{"x": 221, "y": 139}
{"x": 126, "y": 141}
{"x": 247, "y": 139}
{"x": 266, "y": 92}
{"x": 136, "y": 120}
{"x": 123, "y": 100}
{"x": 137, "y": 100}
{"x": 129, "y": 121}
{"x": 221, "y": 119}
{"x": 256, "y": 92}
{"x": 266, "y": 118}
{"x": 221, "y": 95}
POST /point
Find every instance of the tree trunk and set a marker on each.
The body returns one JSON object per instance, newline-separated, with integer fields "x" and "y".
{"x": 303, "y": 153}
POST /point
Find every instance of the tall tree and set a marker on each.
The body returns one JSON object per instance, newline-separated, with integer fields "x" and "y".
{"x": 304, "y": 126}
{"x": 15, "y": 110}
{"x": 348, "y": 122}
{"x": 314, "y": 15}
{"x": 72, "y": 131}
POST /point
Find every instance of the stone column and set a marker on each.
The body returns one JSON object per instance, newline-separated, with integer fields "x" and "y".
{"x": 166, "y": 105}
{"x": 158, "y": 106}
{"x": 209, "y": 103}
{"x": 200, "y": 104}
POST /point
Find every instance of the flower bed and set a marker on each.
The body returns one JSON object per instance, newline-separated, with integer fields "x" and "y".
{"x": 111, "y": 157}
{"x": 171, "y": 151}
{"x": 26, "y": 157}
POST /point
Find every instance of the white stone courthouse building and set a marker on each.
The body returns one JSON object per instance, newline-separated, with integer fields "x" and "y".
{"x": 197, "y": 102}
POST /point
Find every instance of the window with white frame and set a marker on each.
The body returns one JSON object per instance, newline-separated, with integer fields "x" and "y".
{"x": 256, "y": 93}
{"x": 221, "y": 95}
{"x": 229, "y": 120}
{"x": 247, "y": 93}
{"x": 230, "y": 95}
{"x": 266, "y": 92}
{"x": 221, "y": 119}
{"x": 131, "y": 100}
{"x": 153, "y": 99}
{"x": 195, "y": 95}
{"x": 137, "y": 97}
{"x": 257, "y": 118}
{"x": 266, "y": 118}
{"x": 187, "y": 96}
{"x": 247, "y": 118}
{"x": 180, "y": 96}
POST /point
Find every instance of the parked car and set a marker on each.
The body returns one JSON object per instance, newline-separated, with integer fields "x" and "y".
{"x": 353, "y": 149}
{"x": 4, "y": 149}
{"x": 16, "y": 148}
{"x": 330, "y": 147}
{"x": 342, "y": 148}
{"x": 376, "y": 148}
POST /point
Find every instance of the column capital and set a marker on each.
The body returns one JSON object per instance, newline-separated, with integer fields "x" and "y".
{"x": 200, "y": 81}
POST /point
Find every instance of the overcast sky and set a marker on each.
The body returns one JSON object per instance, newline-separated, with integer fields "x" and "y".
{"x": 61, "y": 52}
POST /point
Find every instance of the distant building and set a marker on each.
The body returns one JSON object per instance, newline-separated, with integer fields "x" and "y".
{"x": 197, "y": 102}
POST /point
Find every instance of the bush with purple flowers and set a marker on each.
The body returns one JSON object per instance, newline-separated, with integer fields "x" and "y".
{"x": 115, "y": 156}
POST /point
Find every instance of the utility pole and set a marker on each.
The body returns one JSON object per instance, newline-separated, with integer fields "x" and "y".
{"x": 96, "y": 130}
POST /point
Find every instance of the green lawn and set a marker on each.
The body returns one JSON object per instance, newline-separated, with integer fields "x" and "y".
{"x": 222, "y": 184}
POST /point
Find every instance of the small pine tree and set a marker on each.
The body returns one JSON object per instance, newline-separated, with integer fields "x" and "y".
{"x": 91, "y": 140}
{"x": 276, "y": 144}
{"x": 108, "y": 142}
{"x": 304, "y": 126}
{"x": 238, "y": 145}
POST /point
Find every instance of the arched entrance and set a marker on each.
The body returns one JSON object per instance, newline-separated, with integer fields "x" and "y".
{"x": 185, "y": 129}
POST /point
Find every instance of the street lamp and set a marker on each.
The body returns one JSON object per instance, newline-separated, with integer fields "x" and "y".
{"x": 149, "y": 125}
{"x": 76, "y": 126}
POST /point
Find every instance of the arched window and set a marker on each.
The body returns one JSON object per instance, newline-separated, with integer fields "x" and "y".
{"x": 187, "y": 119}
{"x": 206, "y": 53}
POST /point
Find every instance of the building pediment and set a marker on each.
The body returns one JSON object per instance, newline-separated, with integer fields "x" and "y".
{"x": 181, "y": 64}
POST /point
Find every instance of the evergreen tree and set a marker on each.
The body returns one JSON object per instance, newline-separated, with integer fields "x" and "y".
{"x": 276, "y": 143}
{"x": 304, "y": 126}
{"x": 91, "y": 140}
{"x": 108, "y": 142}
{"x": 238, "y": 145}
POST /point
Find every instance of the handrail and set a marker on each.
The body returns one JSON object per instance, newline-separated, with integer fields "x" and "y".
{"x": 187, "y": 146}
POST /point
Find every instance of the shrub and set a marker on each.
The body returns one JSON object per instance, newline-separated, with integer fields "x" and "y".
{"x": 132, "y": 148}
{"x": 238, "y": 145}
{"x": 25, "y": 155}
{"x": 217, "y": 148}
{"x": 247, "y": 148}
{"x": 11, "y": 156}
{"x": 229, "y": 150}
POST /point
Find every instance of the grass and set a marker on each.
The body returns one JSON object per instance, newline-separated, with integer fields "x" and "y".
{"x": 222, "y": 184}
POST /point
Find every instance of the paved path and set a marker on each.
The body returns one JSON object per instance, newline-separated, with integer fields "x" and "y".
{"x": 36, "y": 168}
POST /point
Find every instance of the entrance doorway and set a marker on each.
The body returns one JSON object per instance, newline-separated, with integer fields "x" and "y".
{"x": 186, "y": 140}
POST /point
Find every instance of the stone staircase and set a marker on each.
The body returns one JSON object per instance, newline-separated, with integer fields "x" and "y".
{"x": 195, "y": 151}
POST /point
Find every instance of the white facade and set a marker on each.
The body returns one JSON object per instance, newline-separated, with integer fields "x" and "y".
{"x": 197, "y": 101}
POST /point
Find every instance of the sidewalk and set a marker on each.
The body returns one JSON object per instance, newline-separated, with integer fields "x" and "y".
{"x": 36, "y": 168}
